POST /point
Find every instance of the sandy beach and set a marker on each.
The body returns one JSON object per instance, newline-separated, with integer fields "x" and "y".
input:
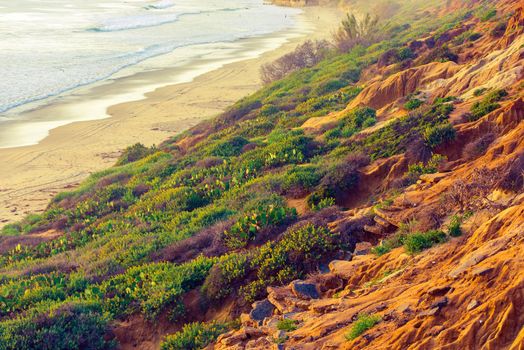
{"x": 31, "y": 175}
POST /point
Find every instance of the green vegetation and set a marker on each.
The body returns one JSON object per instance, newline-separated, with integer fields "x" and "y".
{"x": 194, "y": 336}
{"x": 413, "y": 103}
{"x": 436, "y": 135}
{"x": 487, "y": 105}
{"x": 287, "y": 325}
{"x": 486, "y": 13}
{"x": 363, "y": 323}
{"x": 417, "y": 242}
{"x": 430, "y": 167}
{"x": 454, "y": 229}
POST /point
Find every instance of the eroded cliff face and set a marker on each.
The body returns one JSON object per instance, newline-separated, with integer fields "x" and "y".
{"x": 466, "y": 293}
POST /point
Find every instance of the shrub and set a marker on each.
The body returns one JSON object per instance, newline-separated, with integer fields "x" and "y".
{"x": 441, "y": 54}
{"x": 229, "y": 148}
{"x": 71, "y": 326}
{"x": 323, "y": 203}
{"x": 413, "y": 104}
{"x": 454, "y": 229}
{"x": 436, "y": 135}
{"x": 417, "y": 242}
{"x": 478, "y": 147}
{"x": 354, "y": 32}
{"x": 352, "y": 122}
{"x": 223, "y": 276}
{"x": 386, "y": 245}
{"x": 487, "y": 105}
{"x": 194, "y": 336}
{"x": 300, "y": 179}
{"x": 430, "y": 167}
{"x": 134, "y": 153}
{"x": 485, "y": 14}
{"x": 287, "y": 325}
{"x": 479, "y": 92}
{"x": 363, "y": 323}
{"x": 305, "y": 55}
{"x": 12, "y": 229}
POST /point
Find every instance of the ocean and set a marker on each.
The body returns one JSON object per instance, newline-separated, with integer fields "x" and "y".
{"x": 51, "y": 48}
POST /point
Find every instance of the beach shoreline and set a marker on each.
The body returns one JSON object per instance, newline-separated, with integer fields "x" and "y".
{"x": 34, "y": 174}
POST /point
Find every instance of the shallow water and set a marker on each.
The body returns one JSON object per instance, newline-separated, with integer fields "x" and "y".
{"x": 50, "y": 48}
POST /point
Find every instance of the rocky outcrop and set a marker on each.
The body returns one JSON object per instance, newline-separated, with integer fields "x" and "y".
{"x": 381, "y": 93}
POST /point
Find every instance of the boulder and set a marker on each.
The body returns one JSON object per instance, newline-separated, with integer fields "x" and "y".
{"x": 473, "y": 305}
{"x": 261, "y": 310}
{"x": 362, "y": 248}
{"x": 305, "y": 290}
{"x": 439, "y": 290}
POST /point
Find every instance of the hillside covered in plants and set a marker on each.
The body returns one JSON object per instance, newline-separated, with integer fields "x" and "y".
{"x": 370, "y": 195}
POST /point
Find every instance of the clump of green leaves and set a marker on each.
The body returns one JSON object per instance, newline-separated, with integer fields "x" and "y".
{"x": 287, "y": 325}
{"x": 134, "y": 153}
{"x": 454, "y": 229}
{"x": 486, "y": 13}
{"x": 194, "y": 336}
{"x": 363, "y": 323}
{"x": 417, "y": 242}
{"x": 386, "y": 245}
{"x": 354, "y": 121}
{"x": 430, "y": 167}
{"x": 487, "y": 105}
{"x": 436, "y": 135}
{"x": 413, "y": 103}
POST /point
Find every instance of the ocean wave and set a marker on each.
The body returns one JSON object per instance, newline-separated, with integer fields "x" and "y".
{"x": 135, "y": 22}
{"x": 160, "y": 5}
{"x": 151, "y": 20}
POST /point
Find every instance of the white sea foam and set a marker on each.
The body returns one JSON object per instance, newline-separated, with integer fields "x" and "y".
{"x": 47, "y": 51}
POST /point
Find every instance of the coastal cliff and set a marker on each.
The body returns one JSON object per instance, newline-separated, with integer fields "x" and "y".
{"x": 370, "y": 197}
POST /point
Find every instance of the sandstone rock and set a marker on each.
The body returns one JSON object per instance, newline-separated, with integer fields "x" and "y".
{"x": 404, "y": 308}
{"x": 433, "y": 178}
{"x": 362, "y": 248}
{"x": 482, "y": 271}
{"x": 261, "y": 310}
{"x": 270, "y": 322}
{"x": 260, "y": 343}
{"x": 472, "y": 305}
{"x": 431, "y": 312}
{"x": 440, "y": 303}
{"x": 439, "y": 290}
{"x": 279, "y": 334}
{"x": 305, "y": 290}
{"x": 252, "y": 332}
{"x": 436, "y": 330}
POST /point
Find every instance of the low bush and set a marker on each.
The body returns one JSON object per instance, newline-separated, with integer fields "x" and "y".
{"x": 134, "y": 153}
{"x": 486, "y": 13}
{"x": 386, "y": 245}
{"x": 478, "y": 147}
{"x": 305, "y": 55}
{"x": 354, "y": 32}
{"x": 287, "y": 325}
{"x": 436, "y": 135}
{"x": 79, "y": 325}
{"x": 363, "y": 323}
{"x": 417, "y": 242}
{"x": 499, "y": 30}
{"x": 412, "y": 104}
{"x": 487, "y": 105}
{"x": 454, "y": 229}
{"x": 194, "y": 336}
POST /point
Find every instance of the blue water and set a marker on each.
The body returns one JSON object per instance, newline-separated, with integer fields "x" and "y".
{"x": 50, "y": 47}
